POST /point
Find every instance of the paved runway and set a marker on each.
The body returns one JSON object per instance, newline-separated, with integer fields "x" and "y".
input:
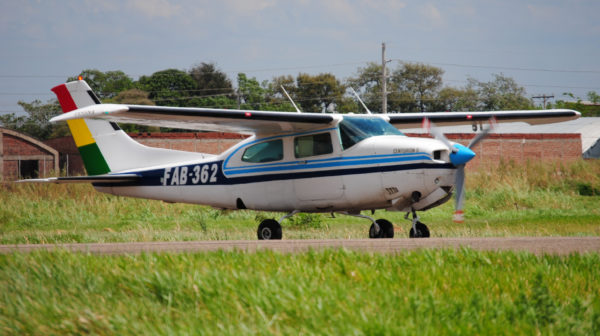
{"x": 536, "y": 245}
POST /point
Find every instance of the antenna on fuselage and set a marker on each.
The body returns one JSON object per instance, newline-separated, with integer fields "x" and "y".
{"x": 290, "y": 98}
{"x": 360, "y": 100}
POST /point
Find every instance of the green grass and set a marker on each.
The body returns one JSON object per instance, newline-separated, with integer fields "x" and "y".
{"x": 510, "y": 200}
{"x": 430, "y": 292}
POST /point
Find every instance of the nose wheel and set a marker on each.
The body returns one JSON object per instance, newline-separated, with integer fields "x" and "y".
{"x": 418, "y": 229}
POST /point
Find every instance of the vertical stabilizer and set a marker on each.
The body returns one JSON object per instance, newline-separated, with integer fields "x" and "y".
{"x": 74, "y": 95}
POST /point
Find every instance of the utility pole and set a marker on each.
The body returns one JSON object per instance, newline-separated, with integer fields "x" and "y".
{"x": 544, "y": 97}
{"x": 383, "y": 81}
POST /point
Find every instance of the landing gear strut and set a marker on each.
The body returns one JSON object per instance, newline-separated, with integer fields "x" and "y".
{"x": 418, "y": 230}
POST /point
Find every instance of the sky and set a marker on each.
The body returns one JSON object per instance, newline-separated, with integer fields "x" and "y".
{"x": 547, "y": 46}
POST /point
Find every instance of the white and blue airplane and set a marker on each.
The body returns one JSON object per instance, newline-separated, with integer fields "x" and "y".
{"x": 291, "y": 163}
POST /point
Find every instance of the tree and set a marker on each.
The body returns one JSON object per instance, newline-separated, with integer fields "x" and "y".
{"x": 169, "y": 87}
{"x": 210, "y": 81}
{"x": 593, "y": 97}
{"x": 455, "y": 99}
{"x": 415, "y": 84}
{"x": 251, "y": 93}
{"x": 587, "y": 110}
{"x": 367, "y": 84}
{"x": 37, "y": 122}
{"x": 318, "y": 93}
{"x": 105, "y": 84}
{"x": 134, "y": 97}
{"x": 501, "y": 93}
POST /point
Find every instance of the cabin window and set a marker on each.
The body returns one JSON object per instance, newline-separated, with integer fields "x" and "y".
{"x": 311, "y": 145}
{"x": 354, "y": 129}
{"x": 264, "y": 152}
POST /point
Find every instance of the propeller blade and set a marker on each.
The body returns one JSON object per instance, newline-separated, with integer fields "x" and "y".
{"x": 483, "y": 134}
{"x": 437, "y": 134}
{"x": 460, "y": 194}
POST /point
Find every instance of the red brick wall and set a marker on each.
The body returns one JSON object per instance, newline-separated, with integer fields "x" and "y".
{"x": 18, "y": 146}
{"x": 520, "y": 148}
{"x": 69, "y": 155}
{"x": 211, "y": 143}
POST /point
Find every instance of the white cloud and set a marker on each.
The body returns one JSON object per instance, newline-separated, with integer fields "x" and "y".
{"x": 155, "y": 8}
{"x": 433, "y": 14}
{"x": 246, "y": 7}
{"x": 342, "y": 10}
{"x": 387, "y": 6}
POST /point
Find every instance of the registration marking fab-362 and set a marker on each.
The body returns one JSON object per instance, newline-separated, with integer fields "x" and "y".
{"x": 190, "y": 175}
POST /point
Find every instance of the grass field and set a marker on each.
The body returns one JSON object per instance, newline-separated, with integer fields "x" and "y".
{"x": 530, "y": 200}
{"x": 429, "y": 292}
{"x": 434, "y": 292}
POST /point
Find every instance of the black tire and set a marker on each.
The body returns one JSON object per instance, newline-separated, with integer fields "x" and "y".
{"x": 387, "y": 228}
{"x": 422, "y": 231}
{"x": 375, "y": 234}
{"x": 269, "y": 229}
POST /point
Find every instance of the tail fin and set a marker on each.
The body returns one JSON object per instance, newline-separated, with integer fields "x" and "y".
{"x": 103, "y": 146}
{"x": 72, "y": 96}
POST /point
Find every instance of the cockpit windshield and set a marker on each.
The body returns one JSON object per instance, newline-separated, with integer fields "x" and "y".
{"x": 354, "y": 129}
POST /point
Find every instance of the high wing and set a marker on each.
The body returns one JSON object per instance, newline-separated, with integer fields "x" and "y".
{"x": 532, "y": 117}
{"x": 239, "y": 121}
{"x": 267, "y": 122}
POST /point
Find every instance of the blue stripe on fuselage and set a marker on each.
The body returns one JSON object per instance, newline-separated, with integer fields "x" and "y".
{"x": 159, "y": 177}
{"x": 328, "y": 163}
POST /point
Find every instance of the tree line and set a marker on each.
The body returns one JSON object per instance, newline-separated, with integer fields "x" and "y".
{"x": 412, "y": 87}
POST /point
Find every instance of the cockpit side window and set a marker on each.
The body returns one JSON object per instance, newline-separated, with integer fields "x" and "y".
{"x": 311, "y": 145}
{"x": 264, "y": 152}
{"x": 354, "y": 129}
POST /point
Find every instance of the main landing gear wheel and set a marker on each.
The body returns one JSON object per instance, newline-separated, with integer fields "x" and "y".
{"x": 269, "y": 229}
{"x": 386, "y": 229}
{"x": 422, "y": 231}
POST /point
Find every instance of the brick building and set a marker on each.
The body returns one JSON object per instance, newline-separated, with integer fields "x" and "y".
{"x": 22, "y": 156}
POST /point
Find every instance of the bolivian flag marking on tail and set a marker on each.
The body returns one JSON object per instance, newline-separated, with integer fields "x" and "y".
{"x": 94, "y": 162}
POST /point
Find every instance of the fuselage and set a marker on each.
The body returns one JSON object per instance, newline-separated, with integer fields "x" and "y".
{"x": 359, "y": 164}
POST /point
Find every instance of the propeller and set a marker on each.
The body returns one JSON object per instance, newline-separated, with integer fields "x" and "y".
{"x": 459, "y": 156}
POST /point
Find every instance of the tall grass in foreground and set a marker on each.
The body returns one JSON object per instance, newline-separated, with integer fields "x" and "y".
{"x": 430, "y": 292}
{"x": 533, "y": 199}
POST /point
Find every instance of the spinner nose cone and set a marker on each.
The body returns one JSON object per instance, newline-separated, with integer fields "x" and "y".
{"x": 462, "y": 155}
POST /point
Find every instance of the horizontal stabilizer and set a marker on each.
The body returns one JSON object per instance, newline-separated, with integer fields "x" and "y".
{"x": 123, "y": 178}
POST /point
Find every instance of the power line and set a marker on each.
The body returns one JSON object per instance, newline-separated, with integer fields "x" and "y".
{"x": 496, "y": 67}
{"x": 504, "y": 67}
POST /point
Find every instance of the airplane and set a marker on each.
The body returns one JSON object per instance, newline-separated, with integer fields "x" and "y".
{"x": 292, "y": 162}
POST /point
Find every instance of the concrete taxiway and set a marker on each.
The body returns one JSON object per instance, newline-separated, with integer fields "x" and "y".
{"x": 536, "y": 245}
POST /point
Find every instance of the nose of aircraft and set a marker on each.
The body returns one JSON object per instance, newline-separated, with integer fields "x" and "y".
{"x": 462, "y": 155}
